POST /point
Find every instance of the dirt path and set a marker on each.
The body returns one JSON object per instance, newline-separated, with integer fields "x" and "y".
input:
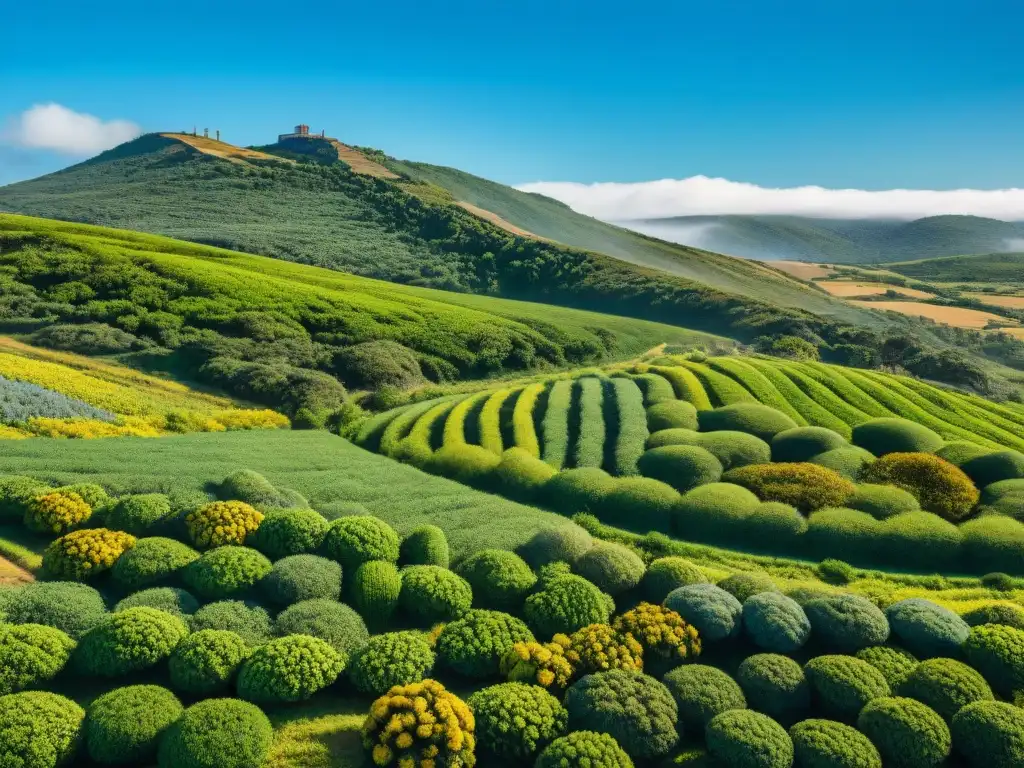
{"x": 12, "y": 575}
{"x": 360, "y": 163}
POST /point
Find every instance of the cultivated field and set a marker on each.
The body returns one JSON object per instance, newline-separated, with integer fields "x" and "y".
{"x": 849, "y": 289}
{"x": 803, "y": 270}
{"x": 959, "y": 317}
{"x": 997, "y": 300}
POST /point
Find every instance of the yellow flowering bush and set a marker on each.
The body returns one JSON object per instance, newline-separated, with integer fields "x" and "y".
{"x": 662, "y": 632}
{"x": 542, "y": 664}
{"x": 222, "y": 522}
{"x": 242, "y": 419}
{"x": 81, "y": 554}
{"x": 420, "y": 725}
{"x": 56, "y": 512}
{"x": 598, "y": 648}
{"x": 87, "y": 429}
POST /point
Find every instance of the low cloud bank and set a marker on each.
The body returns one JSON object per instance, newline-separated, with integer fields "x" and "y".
{"x": 57, "y": 128}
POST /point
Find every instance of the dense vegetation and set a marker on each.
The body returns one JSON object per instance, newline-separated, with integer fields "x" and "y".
{"x": 1004, "y": 268}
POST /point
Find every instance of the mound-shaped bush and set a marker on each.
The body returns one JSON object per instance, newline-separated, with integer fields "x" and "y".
{"x": 677, "y": 436}
{"x": 939, "y": 486}
{"x": 997, "y": 652}
{"x": 890, "y": 435}
{"x": 253, "y": 488}
{"x": 31, "y": 655}
{"x": 566, "y": 604}
{"x": 584, "y": 749}
{"x": 993, "y": 542}
{"x": 475, "y": 644}
{"x": 681, "y": 466}
{"x": 993, "y": 467}
{"x": 394, "y": 658}
{"x": 882, "y": 501}
{"x": 577, "y": 490}
{"x": 374, "y": 591}
{"x": 803, "y": 485}
{"x": 248, "y": 620}
{"x": 543, "y": 664}
{"x": 907, "y": 733}
{"x": 712, "y": 511}
{"x": 217, "y": 733}
{"x": 226, "y": 571}
{"x": 945, "y": 685}
{"x": 828, "y": 744}
{"x": 205, "y": 662}
{"x": 521, "y": 476}
{"x": 169, "y": 599}
{"x": 634, "y": 709}
{"x": 220, "y": 523}
{"x": 56, "y": 512}
{"x": 467, "y": 464}
{"x": 990, "y": 734}
{"x": 927, "y": 629}
{"x": 803, "y": 443}
{"x": 847, "y": 623}
{"x": 774, "y": 622}
{"x": 129, "y": 641}
{"x": 842, "y": 685}
{"x": 639, "y": 503}
{"x": 959, "y": 451}
{"x": 747, "y": 739}
{"x": 776, "y": 685}
{"x": 426, "y": 545}
{"x": 701, "y": 692}
{"x": 285, "y": 532}
{"x": 139, "y": 513}
{"x": 839, "y": 530}
{"x": 894, "y": 663}
{"x": 668, "y": 573}
{"x": 39, "y": 729}
{"x": 598, "y": 648}
{"x": 745, "y": 585}
{"x": 499, "y": 579}
{"x": 734, "y": 449}
{"x": 92, "y": 494}
{"x": 302, "y": 577}
{"x": 753, "y": 418}
{"x": 667, "y": 640}
{"x": 1008, "y": 614}
{"x": 355, "y": 540}
{"x": 15, "y": 493}
{"x": 613, "y": 568}
{"x": 671, "y": 414}
{"x": 515, "y": 721}
{"x": 334, "y": 623}
{"x": 86, "y": 553}
{"x": 848, "y": 462}
{"x": 565, "y": 544}
{"x": 430, "y": 594}
{"x": 289, "y": 669}
{"x": 72, "y": 608}
{"x": 919, "y": 540}
{"x": 714, "y": 613}
{"x": 124, "y": 725}
{"x": 152, "y": 561}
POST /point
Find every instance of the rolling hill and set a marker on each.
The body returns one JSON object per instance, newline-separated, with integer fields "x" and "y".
{"x": 1003, "y": 268}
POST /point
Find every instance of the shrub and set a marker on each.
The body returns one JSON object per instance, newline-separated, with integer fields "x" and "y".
{"x": 746, "y": 739}
{"x": 668, "y": 573}
{"x": 677, "y": 436}
{"x": 775, "y": 685}
{"x": 804, "y": 443}
{"x": 377, "y": 363}
{"x": 613, "y": 568}
{"x": 598, "y": 648}
{"x": 226, "y": 571}
{"x": 56, "y": 512}
{"x": 888, "y": 435}
{"x": 137, "y": 514}
{"x": 990, "y": 734}
{"x": 945, "y": 685}
{"x": 430, "y": 594}
{"x": 205, "y": 662}
{"x": 710, "y": 512}
{"x": 584, "y": 749}
{"x": 544, "y": 664}
{"x": 993, "y": 467}
{"x": 129, "y": 641}
{"x": 752, "y": 418}
{"x": 835, "y": 571}
{"x": 701, "y": 692}
{"x": 394, "y": 658}
{"x": 894, "y": 663}
{"x": 848, "y": 462}
{"x": 374, "y": 590}
{"x": 289, "y": 669}
{"x": 1008, "y": 614}
{"x": 467, "y": 464}
{"x": 577, "y": 490}
{"x": 425, "y": 545}
{"x": 16, "y": 492}
{"x": 998, "y": 653}
{"x": 222, "y": 522}
{"x": 151, "y": 561}
{"x": 521, "y": 476}
{"x": 882, "y": 501}
{"x": 168, "y": 599}
{"x": 86, "y": 553}
{"x": 842, "y": 685}
{"x": 389, "y": 735}
{"x": 302, "y": 577}
{"x": 639, "y": 503}
{"x": 938, "y": 485}
{"x": 958, "y": 452}
{"x": 39, "y": 729}
{"x": 514, "y": 721}
{"x": 285, "y": 532}
{"x": 1003, "y": 582}
{"x": 566, "y": 604}
{"x": 671, "y": 414}
{"x": 634, "y": 709}
{"x": 249, "y": 621}
{"x": 666, "y": 639}
{"x": 993, "y": 542}
{"x": 832, "y": 530}
{"x": 124, "y": 725}
{"x": 744, "y": 585}
{"x": 253, "y": 488}
{"x": 734, "y": 449}
{"x": 217, "y": 733}
{"x": 847, "y": 623}
{"x": 475, "y": 644}
{"x": 681, "y": 466}
{"x": 355, "y": 540}
{"x": 334, "y": 623}
{"x": 927, "y": 629}
{"x": 775, "y": 622}
{"x": 72, "y": 608}
{"x": 564, "y": 544}
{"x": 499, "y": 579}
{"x": 907, "y": 733}
{"x": 828, "y": 744}
{"x": 805, "y": 486}
{"x": 712, "y": 611}
{"x": 30, "y": 655}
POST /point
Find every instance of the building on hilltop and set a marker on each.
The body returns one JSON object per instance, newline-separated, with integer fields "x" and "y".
{"x": 302, "y": 132}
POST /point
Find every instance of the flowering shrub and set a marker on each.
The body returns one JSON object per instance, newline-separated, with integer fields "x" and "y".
{"x": 374, "y": 590}
{"x": 31, "y": 654}
{"x": 499, "y": 579}
{"x": 289, "y": 669}
{"x": 426, "y": 545}
{"x": 39, "y": 729}
{"x": 205, "y": 661}
{"x": 665, "y": 637}
{"x": 990, "y": 734}
{"x": 420, "y": 725}
{"x": 514, "y": 721}
{"x": 701, "y": 692}
{"x": 828, "y": 744}
{"x": 430, "y": 593}
{"x": 710, "y": 609}
{"x": 474, "y": 645}
{"x": 906, "y": 732}
{"x": 584, "y": 749}
{"x": 747, "y": 739}
{"x": 124, "y": 725}
{"x": 56, "y": 512}
{"x": 776, "y": 685}
{"x": 394, "y": 658}
{"x": 129, "y": 641}
{"x": 803, "y": 485}
{"x": 152, "y": 560}
{"x": 842, "y": 685}
{"x": 775, "y": 622}
{"x": 217, "y": 732}
{"x": 335, "y": 623}
{"x": 83, "y": 554}
{"x": 543, "y": 664}
{"x": 357, "y": 539}
{"x": 226, "y": 571}
{"x": 939, "y": 486}
{"x": 565, "y": 604}
{"x": 998, "y": 653}
{"x": 598, "y": 648}
{"x": 894, "y": 663}
{"x": 222, "y": 522}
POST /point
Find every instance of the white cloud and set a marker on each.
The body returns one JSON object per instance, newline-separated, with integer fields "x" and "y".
{"x": 53, "y": 126}
{"x": 701, "y": 195}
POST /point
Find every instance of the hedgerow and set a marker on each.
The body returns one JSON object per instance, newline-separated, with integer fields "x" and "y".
{"x": 714, "y": 613}
{"x": 566, "y": 604}
{"x": 655, "y": 389}
{"x": 217, "y": 733}
{"x": 994, "y": 467}
{"x": 990, "y": 734}
{"x": 906, "y": 732}
{"x": 747, "y": 739}
{"x": 882, "y": 501}
{"x": 125, "y": 725}
{"x": 521, "y": 476}
{"x": 489, "y": 421}
{"x": 302, "y": 577}
{"x": 334, "y": 623}
{"x": 681, "y": 466}
{"x": 894, "y": 663}
{"x": 543, "y": 664}
{"x": 744, "y": 584}
{"x": 626, "y": 407}
{"x": 577, "y": 490}
{"x": 752, "y": 418}
{"x": 803, "y": 485}
{"x": 249, "y": 621}
{"x": 285, "y": 532}
{"x": 842, "y": 685}
{"x": 638, "y": 503}
{"x": 589, "y": 448}
{"x": 152, "y": 560}
{"x": 686, "y": 386}
{"x": 828, "y": 744}
{"x": 919, "y": 540}
{"x": 72, "y": 608}
{"x": 475, "y": 644}
{"x": 499, "y": 579}
{"x": 226, "y": 571}
{"x": 205, "y": 662}
{"x": 139, "y": 513}
{"x": 890, "y": 435}
{"x": 430, "y": 594}
{"x": 85, "y": 553}
{"x": 939, "y": 486}
{"x": 847, "y": 623}
{"x": 31, "y": 655}
{"x": 671, "y": 414}
{"x": 723, "y": 390}
{"x": 355, "y": 540}
{"x": 993, "y": 543}
{"x": 848, "y": 462}
{"x": 468, "y": 464}
{"x": 701, "y": 692}
{"x": 734, "y": 449}
{"x": 960, "y": 451}
{"x": 129, "y": 641}
{"x": 39, "y": 729}
{"x": 803, "y": 443}
{"x": 668, "y": 573}
{"x": 426, "y": 545}
{"x": 997, "y": 652}
{"x": 839, "y": 529}
{"x": 565, "y": 544}
{"x": 776, "y": 685}
{"x": 613, "y": 568}
{"x": 168, "y": 599}
{"x": 56, "y": 512}
{"x": 927, "y": 629}
{"x": 515, "y": 721}
{"x": 678, "y": 436}
{"x": 945, "y": 685}
{"x": 584, "y": 749}
{"x": 289, "y": 669}
{"x": 555, "y": 424}
{"x": 222, "y": 522}
{"x": 524, "y": 432}
{"x": 775, "y": 622}
{"x": 15, "y": 493}
{"x": 394, "y": 658}
{"x": 598, "y": 648}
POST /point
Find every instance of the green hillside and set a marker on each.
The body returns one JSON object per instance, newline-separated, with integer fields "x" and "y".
{"x": 1002, "y": 268}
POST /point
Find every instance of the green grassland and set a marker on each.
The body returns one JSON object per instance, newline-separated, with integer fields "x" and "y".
{"x": 1000, "y": 268}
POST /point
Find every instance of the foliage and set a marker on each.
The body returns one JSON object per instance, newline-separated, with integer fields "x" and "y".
{"x": 39, "y": 729}
{"x": 138, "y": 513}
{"x": 85, "y": 553}
{"x": 217, "y": 733}
{"x": 888, "y": 435}
{"x": 753, "y": 418}
{"x": 847, "y": 622}
{"x": 253, "y": 488}
{"x": 521, "y": 476}
{"x": 124, "y": 725}
{"x": 668, "y": 573}
{"x": 285, "y": 532}
{"x": 374, "y": 591}
{"x": 302, "y": 577}
{"x": 747, "y": 739}
{"x": 945, "y": 685}
{"x": 468, "y": 464}
{"x": 425, "y": 545}
{"x": 129, "y": 641}
{"x": 249, "y": 621}
{"x": 499, "y": 579}
{"x": 939, "y": 486}
{"x": 543, "y": 664}
{"x": 960, "y": 451}
{"x": 776, "y": 685}
{"x": 775, "y": 622}
{"x": 681, "y": 466}
{"x": 565, "y": 604}
{"x": 678, "y": 436}
{"x": 997, "y": 652}
{"x": 566, "y": 544}
{"x": 848, "y": 462}
{"x": 709, "y": 511}
{"x": 357, "y": 539}
{"x": 828, "y": 744}
{"x": 577, "y": 490}
{"x": 666, "y": 639}
{"x": 882, "y": 501}
{"x": 1009, "y": 614}
{"x": 842, "y": 685}
{"x": 205, "y": 662}
{"x": 803, "y": 443}
{"x": 926, "y": 629}
{"x": 430, "y": 594}
{"x": 289, "y": 669}
{"x": 515, "y": 721}
{"x": 907, "y": 733}
{"x": 671, "y": 414}
{"x": 639, "y": 503}
{"x": 701, "y": 692}
{"x": 894, "y": 663}
{"x": 745, "y": 585}
{"x": 598, "y": 648}
{"x": 735, "y": 449}
{"x": 613, "y": 568}
{"x": 712, "y": 611}
{"x": 222, "y": 522}
{"x": 584, "y": 749}
{"x": 475, "y": 644}
{"x": 16, "y": 492}
{"x": 394, "y": 658}
{"x": 72, "y": 608}
{"x": 803, "y": 485}
{"x": 151, "y": 561}
{"x": 226, "y": 571}
{"x": 994, "y": 467}
{"x": 990, "y": 734}
{"x": 993, "y": 542}
{"x": 167, "y": 599}
{"x": 56, "y": 512}
{"x": 30, "y": 655}
{"x": 334, "y": 623}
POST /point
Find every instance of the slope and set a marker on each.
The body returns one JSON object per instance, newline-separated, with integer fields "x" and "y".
{"x": 1006, "y": 268}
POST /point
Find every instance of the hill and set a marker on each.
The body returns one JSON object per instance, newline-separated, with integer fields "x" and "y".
{"x": 1000, "y": 268}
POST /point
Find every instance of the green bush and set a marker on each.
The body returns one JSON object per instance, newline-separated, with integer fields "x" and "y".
{"x": 217, "y": 733}
{"x": 714, "y": 612}
{"x": 734, "y": 449}
{"x": 804, "y": 443}
{"x": 374, "y": 591}
{"x": 848, "y": 462}
{"x": 430, "y": 594}
{"x": 39, "y": 729}
{"x": 521, "y": 476}
{"x": 828, "y": 744}
{"x": 842, "y": 685}
{"x": 394, "y": 658}
{"x": 355, "y": 540}
{"x": 640, "y": 504}
{"x": 124, "y": 725}
{"x": 894, "y": 663}
{"x": 939, "y": 486}
{"x": 746, "y": 584}
{"x": 565, "y": 604}
{"x": 334, "y": 623}
{"x": 152, "y": 561}
{"x": 499, "y": 579}
{"x": 752, "y": 418}
{"x": 774, "y": 622}
{"x": 515, "y": 721}
{"x": 705, "y": 511}
{"x": 776, "y": 685}
{"x": 285, "y": 532}
{"x": 945, "y": 685}
{"x": 168, "y": 599}
{"x": 920, "y": 541}
{"x": 889, "y": 435}
{"x": 805, "y": 486}
{"x": 584, "y": 749}
{"x": 565, "y": 544}
{"x": 1008, "y": 614}
{"x": 958, "y": 452}
{"x": 226, "y": 572}
{"x": 701, "y": 692}
{"x": 882, "y": 501}
{"x": 250, "y": 621}
{"x": 426, "y": 545}
{"x": 634, "y": 709}
{"x": 30, "y": 655}
{"x": 302, "y": 577}
{"x": 475, "y": 644}
{"x": 668, "y": 573}
{"x": 468, "y": 464}
{"x": 130, "y": 641}
{"x": 847, "y": 623}
{"x": 992, "y": 542}
{"x": 613, "y": 568}
{"x": 378, "y": 363}
{"x": 993, "y": 467}
{"x": 907, "y": 733}
{"x": 681, "y": 466}
{"x": 834, "y": 571}
{"x": 289, "y": 669}
{"x": 137, "y": 514}
{"x": 72, "y": 608}
{"x": 577, "y": 490}
{"x": 746, "y": 739}
{"x": 205, "y": 662}
{"x": 990, "y": 734}
{"x": 253, "y": 488}
{"x": 671, "y": 414}
{"x": 998, "y": 653}
{"x": 839, "y": 530}
{"x": 15, "y": 493}
{"x": 679, "y": 436}
{"x": 927, "y": 629}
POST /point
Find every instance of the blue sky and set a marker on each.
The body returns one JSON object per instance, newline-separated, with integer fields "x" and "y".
{"x": 839, "y": 93}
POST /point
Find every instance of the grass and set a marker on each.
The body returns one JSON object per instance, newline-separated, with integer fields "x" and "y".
{"x": 1002, "y": 268}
